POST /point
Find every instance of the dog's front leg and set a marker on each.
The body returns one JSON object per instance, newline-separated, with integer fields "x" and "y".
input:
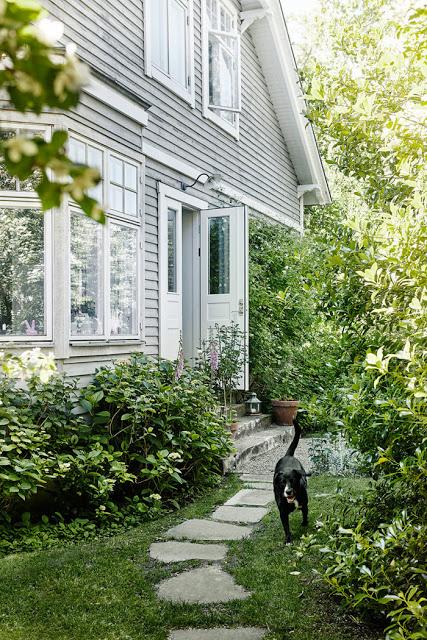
{"x": 304, "y": 510}
{"x": 284, "y": 516}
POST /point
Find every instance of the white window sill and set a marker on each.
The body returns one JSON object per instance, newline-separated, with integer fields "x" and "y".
{"x": 87, "y": 342}
{"x": 43, "y": 343}
{"x": 223, "y": 124}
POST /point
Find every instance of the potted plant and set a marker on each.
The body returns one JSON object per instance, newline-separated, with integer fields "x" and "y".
{"x": 284, "y": 411}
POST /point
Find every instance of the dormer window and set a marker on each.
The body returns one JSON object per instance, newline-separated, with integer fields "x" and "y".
{"x": 169, "y": 49}
{"x": 221, "y": 68}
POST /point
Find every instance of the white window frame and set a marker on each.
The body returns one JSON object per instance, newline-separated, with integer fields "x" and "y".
{"x": 186, "y": 93}
{"x": 12, "y": 199}
{"x": 122, "y": 219}
{"x": 208, "y": 112}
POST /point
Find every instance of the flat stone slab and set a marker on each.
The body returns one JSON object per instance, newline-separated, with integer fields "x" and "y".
{"x": 179, "y": 551}
{"x": 203, "y": 585}
{"x": 208, "y": 530}
{"x": 256, "y": 477}
{"x": 239, "y": 514}
{"x": 251, "y": 497}
{"x": 266, "y": 486}
{"x": 220, "y": 633}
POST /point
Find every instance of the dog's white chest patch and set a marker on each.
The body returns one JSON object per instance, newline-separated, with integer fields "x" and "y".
{"x": 297, "y": 504}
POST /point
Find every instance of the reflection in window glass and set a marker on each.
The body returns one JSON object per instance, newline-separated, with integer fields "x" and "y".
{"x": 123, "y": 187}
{"x": 22, "y": 273}
{"x": 223, "y": 61}
{"x": 219, "y": 255}
{"x": 86, "y": 277}
{"x": 177, "y": 43}
{"x": 172, "y": 251}
{"x": 123, "y": 281}
{"x": 7, "y": 182}
{"x": 159, "y": 33}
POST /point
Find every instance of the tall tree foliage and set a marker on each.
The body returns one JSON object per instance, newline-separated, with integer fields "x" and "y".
{"x": 366, "y": 90}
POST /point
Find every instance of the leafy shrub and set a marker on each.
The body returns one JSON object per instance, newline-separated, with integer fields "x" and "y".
{"x": 166, "y": 426}
{"x": 331, "y": 454}
{"x": 44, "y": 447}
{"x": 293, "y": 352}
{"x": 152, "y": 437}
{"x": 380, "y": 573}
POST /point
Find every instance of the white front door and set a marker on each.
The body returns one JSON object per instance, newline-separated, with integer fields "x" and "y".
{"x": 170, "y": 256}
{"x": 224, "y": 272}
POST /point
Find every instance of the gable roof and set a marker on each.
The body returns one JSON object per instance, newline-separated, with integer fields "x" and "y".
{"x": 269, "y": 32}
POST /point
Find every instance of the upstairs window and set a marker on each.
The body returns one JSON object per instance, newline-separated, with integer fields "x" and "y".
{"x": 221, "y": 69}
{"x": 169, "y": 45}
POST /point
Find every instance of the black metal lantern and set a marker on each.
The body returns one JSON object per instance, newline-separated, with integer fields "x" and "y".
{"x": 253, "y": 405}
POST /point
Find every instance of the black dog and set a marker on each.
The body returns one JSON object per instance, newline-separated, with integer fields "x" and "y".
{"x": 290, "y": 485}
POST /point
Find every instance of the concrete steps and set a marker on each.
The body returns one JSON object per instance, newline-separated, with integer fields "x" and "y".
{"x": 255, "y": 435}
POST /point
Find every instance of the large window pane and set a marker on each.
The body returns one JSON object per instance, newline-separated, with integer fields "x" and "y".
{"x": 219, "y": 255}
{"x": 86, "y": 277}
{"x": 172, "y": 280}
{"x": 123, "y": 281}
{"x": 177, "y": 42}
{"x": 159, "y": 33}
{"x": 22, "y": 273}
{"x": 223, "y": 77}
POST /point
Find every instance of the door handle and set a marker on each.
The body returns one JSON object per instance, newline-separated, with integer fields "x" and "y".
{"x": 241, "y": 307}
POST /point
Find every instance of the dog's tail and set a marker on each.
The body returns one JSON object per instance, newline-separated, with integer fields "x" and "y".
{"x": 294, "y": 443}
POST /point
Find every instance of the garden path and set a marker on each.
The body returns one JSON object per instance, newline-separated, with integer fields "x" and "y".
{"x": 210, "y": 583}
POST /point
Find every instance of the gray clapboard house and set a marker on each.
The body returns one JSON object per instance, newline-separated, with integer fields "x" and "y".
{"x": 194, "y": 116}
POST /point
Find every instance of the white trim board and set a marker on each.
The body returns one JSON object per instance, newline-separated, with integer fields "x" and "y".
{"x": 168, "y": 160}
{"x": 255, "y": 205}
{"x": 165, "y": 191}
{"x": 113, "y": 98}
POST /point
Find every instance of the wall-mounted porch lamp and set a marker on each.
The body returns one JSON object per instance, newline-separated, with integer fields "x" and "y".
{"x": 210, "y": 178}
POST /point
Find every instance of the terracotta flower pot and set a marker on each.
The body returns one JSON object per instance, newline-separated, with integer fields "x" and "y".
{"x": 284, "y": 411}
{"x": 234, "y": 427}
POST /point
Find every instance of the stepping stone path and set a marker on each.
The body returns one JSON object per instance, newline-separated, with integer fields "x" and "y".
{"x": 239, "y": 633}
{"x": 179, "y": 551}
{"x": 211, "y": 584}
{"x": 239, "y": 514}
{"x": 204, "y": 585}
{"x": 255, "y": 497}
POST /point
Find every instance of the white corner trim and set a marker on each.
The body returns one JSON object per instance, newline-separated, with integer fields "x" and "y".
{"x": 255, "y": 204}
{"x": 108, "y": 95}
{"x": 249, "y": 17}
{"x": 168, "y": 160}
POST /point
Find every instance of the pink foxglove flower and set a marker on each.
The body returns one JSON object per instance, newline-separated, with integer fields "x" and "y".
{"x": 214, "y": 357}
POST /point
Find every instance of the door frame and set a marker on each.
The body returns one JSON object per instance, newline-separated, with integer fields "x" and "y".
{"x": 193, "y": 203}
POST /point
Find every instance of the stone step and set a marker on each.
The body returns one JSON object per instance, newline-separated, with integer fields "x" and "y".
{"x": 256, "y": 442}
{"x": 249, "y": 424}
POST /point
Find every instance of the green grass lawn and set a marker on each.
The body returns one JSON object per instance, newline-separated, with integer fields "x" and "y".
{"x": 105, "y": 590}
